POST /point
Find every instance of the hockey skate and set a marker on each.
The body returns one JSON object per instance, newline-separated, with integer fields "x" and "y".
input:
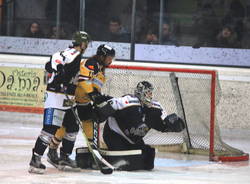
{"x": 53, "y": 159}
{"x": 36, "y": 165}
{"x": 66, "y": 163}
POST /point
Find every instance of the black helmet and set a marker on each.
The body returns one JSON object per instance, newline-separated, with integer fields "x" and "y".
{"x": 105, "y": 50}
{"x": 143, "y": 91}
{"x": 80, "y": 37}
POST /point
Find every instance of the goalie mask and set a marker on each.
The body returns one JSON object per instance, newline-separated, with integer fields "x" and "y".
{"x": 144, "y": 91}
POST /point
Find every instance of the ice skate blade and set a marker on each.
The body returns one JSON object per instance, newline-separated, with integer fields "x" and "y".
{"x": 53, "y": 164}
{"x": 68, "y": 168}
{"x": 36, "y": 170}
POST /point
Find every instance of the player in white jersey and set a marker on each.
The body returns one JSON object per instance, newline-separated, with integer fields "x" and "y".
{"x": 129, "y": 119}
{"x": 62, "y": 69}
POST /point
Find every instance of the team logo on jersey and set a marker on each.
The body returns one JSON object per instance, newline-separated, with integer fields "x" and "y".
{"x": 58, "y": 61}
{"x": 141, "y": 130}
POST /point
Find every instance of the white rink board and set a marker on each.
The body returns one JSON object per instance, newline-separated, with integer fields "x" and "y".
{"x": 232, "y": 111}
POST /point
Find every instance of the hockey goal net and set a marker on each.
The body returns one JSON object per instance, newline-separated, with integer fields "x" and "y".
{"x": 192, "y": 94}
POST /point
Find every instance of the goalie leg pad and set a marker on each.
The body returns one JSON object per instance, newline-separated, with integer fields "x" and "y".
{"x": 83, "y": 158}
{"x": 148, "y": 154}
{"x": 128, "y": 160}
{"x": 119, "y": 153}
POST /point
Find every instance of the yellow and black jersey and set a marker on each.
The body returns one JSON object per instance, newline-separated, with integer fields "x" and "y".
{"x": 91, "y": 77}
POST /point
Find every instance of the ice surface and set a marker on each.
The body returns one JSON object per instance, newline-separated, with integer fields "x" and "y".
{"x": 18, "y": 138}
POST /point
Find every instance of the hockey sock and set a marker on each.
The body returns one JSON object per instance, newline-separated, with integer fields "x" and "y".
{"x": 68, "y": 142}
{"x": 40, "y": 146}
{"x": 54, "y": 143}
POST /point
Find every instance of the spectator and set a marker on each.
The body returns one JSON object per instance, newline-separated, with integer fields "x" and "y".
{"x": 235, "y": 17}
{"x": 34, "y": 31}
{"x": 70, "y": 11}
{"x": 96, "y": 18}
{"x": 53, "y": 33}
{"x": 151, "y": 37}
{"x": 227, "y": 38}
{"x": 116, "y": 33}
{"x": 205, "y": 26}
{"x": 167, "y": 36}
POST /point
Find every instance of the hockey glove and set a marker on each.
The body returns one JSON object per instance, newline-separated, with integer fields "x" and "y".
{"x": 69, "y": 89}
{"x": 174, "y": 123}
{"x": 59, "y": 76}
{"x": 48, "y": 67}
{"x": 98, "y": 98}
{"x": 103, "y": 111}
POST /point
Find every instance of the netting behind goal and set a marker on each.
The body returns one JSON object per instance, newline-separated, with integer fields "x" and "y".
{"x": 192, "y": 94}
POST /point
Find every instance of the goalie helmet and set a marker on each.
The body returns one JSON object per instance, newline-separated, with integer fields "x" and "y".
{"x": 80, "y": 37}
{"x": 144, "y": 91}
{"x": 105, "y": 50}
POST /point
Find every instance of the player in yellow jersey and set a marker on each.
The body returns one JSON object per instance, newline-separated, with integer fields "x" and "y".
{"x": 88, "y": 93}
{"x": 90, "y": 82}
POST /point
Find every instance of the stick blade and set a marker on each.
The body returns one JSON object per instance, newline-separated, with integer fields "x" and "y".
{"x": 106, "y": 170}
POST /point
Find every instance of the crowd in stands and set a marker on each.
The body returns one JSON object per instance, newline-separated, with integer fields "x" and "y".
{"x": 230, "y": 31}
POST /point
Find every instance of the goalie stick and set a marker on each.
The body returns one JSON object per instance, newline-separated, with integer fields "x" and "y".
{"x": 179, "y": 103}
{"x": 108, "y": 168}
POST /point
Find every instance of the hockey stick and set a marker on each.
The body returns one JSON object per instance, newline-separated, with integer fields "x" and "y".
{"x": 179, "y": 103}
{"x": 93, "y": 150}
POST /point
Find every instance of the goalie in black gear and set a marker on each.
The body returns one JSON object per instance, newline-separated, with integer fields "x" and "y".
{"x": 129, "y": 119}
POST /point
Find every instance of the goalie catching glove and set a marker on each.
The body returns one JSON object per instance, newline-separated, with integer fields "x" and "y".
{"x": 173, "y": 123}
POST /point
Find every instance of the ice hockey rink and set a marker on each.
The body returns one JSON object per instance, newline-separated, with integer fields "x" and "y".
{"x": 18, "y": 133}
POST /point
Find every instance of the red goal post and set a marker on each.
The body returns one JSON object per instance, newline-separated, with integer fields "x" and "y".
{"x": 193, "y": 94}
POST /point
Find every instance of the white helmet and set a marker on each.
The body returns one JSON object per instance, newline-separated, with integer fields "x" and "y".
{"x": 144, "y": 91}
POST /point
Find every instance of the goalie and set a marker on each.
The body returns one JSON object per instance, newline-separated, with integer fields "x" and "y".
{"x": 129, "y": 118}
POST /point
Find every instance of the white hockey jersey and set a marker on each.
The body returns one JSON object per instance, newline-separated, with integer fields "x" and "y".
{"x": 69, "y": 61}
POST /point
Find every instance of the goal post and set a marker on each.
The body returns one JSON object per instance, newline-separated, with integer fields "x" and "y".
{"x": 191, "y": 93}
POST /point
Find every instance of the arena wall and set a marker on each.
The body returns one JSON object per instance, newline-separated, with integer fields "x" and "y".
{"x": 233, "y": 109}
